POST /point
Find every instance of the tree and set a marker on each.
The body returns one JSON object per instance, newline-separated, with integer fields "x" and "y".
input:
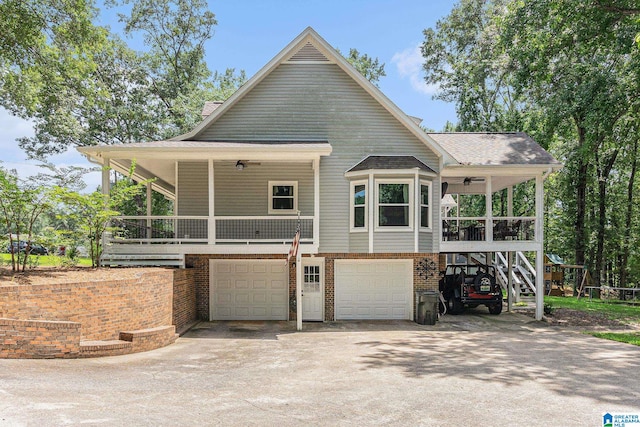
{"x": 369, "y": 67}
{"x": 93, "y": 212}
{"x": 82, "y": 86}
{"x": 21, "y": 204}
{"x": 464, "y": 59}
{"x": 577, "y": 61}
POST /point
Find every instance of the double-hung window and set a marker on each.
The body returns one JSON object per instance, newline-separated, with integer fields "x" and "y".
{"x": 393, "y": 204}
{"x": 425, "y": 202}
{"x": 359, "y": 200}
{"x": 283, "y": 197}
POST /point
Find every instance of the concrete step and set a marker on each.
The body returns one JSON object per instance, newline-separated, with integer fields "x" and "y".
{"x": 95, "y": 348}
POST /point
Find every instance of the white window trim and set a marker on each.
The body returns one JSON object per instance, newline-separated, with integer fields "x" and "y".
{"x": 430, "y": 205}
{"x": 392, "y": 228}
{"x": 294, "y": 184}
{"x": 352, "y": 205}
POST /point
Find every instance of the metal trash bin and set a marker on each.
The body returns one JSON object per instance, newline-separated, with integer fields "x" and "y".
{"x": 427, "y": 311}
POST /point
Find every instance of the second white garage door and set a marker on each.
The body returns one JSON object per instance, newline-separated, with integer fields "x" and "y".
{"x": 248, "y": 290}
{"x": 368, "y": 289}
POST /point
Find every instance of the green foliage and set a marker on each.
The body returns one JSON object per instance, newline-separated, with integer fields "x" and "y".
{"x": 81, "y": 85}
{"x": 369, "y": 67}
{"x": 567, "y": 73}
{"x": 92, "y": 212}
{"x": 21, "y": 204}
{"x": 464, "y": 59}
{"x": 626, "y": 337}
{"x": 623, "y": 312}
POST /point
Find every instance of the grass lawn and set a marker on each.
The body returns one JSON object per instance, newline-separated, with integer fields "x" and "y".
{"x": 628, "y": 337}
{"x": 616, "y": 310}
{"x": 44, "y": 260}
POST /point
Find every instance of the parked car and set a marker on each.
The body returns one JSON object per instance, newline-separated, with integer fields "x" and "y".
{"x": 470, "y": 286}
{"x": 34, "y": 248}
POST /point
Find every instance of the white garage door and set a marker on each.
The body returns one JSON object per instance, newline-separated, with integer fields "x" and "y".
{"x": 248, "y": 290}
{"x": 368, "y": 289}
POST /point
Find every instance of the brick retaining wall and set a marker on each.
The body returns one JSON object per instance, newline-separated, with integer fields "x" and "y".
{"x": 51, "y": 320}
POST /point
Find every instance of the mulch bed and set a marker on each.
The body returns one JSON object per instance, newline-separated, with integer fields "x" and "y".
{"x": 566, "y": 317}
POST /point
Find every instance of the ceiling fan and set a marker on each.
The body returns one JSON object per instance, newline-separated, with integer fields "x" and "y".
{"x": 241, "y": 164}
{"x": 470, "y": 179}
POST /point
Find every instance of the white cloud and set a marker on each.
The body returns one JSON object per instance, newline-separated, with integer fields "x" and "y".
{"x": 409, "y": 65}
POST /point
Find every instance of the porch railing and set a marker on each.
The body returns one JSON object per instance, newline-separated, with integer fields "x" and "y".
{"x": 262, "y": 229}
{"x": 195, "y": 229}
{"x": 470, "y": 229}
{"x": 160, "y": 229}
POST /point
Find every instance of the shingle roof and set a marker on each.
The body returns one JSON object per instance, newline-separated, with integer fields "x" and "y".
{"x": 390, "y": 162}
{"x": 485, "y": 149}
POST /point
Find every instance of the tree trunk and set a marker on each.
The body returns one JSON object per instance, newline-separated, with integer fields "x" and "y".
{"x": 581, "y": 204}
{"x": 624, "y": 261}
{"x": 603, "y": 174}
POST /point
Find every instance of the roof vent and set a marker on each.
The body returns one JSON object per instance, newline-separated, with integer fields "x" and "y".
{"x": 308, "y": 52}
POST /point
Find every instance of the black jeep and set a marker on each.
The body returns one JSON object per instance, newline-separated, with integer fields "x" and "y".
{"x": 470, "y": 285}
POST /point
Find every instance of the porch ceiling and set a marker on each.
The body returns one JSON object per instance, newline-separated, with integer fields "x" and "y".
{"x": 477, "y": 183}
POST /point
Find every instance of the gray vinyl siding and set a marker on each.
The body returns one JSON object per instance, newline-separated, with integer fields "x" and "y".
{"x": 359, "y": 242}
{"x": 393, "y": 241}
{"x": 193, "y": 188}
{"x": 320, "y": 102}
{"x": 246, "y": 192}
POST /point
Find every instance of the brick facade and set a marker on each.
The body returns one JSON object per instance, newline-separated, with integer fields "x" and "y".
{"x": 96, "y": 318}
{"x": 185, "y": 302}
{"x": 38, "y": 339}
{"x": 200, "y": 264}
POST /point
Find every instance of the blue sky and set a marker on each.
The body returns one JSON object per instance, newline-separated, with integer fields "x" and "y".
{"x": 251, "y": 32}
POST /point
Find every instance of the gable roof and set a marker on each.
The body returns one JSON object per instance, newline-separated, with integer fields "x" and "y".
{"x": 390, "y": 163}
{"x": 309, "y": 46}
{"x": 495, "y": 149}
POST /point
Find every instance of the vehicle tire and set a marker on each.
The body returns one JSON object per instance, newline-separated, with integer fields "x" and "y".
{"x": 455, "y": 306}
{"x": 484, "y": 279}
{"x": 495, "y": 309}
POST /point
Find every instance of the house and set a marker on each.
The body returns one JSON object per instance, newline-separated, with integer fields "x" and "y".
{"x": 309, "y": 141}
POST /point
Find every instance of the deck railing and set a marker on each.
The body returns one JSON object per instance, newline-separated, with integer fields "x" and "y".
{"x": 469, "y": 229}
{"x": 195, "y": 229}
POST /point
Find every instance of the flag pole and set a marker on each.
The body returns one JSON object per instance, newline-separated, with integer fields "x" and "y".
{"x": 299, "y": 283}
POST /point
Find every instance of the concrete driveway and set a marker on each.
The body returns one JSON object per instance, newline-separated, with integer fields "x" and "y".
{"x": 467, "y": 370}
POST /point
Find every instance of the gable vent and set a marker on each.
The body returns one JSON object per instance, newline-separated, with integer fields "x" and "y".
{"x": 308, "y": 52}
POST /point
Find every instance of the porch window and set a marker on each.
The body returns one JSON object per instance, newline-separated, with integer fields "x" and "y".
{"x": 283, "y": 197}
{"x": 358, "y": 215}
{"x": 425, "y": 202}
{"x": 394, "y": 204}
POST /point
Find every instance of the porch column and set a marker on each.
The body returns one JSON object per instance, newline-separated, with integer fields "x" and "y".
{"x": 316, "y": 202}
{"x": 106, "y": 189}
{"x": 106, "y": 182}
{"x": 417, "y": 200}
{"x": 509, "y": 281}
{"x": 488, "y": 227}
{"x": 510, "y": 200}
{"x": 539, "y": 233}
{"x": 149, "y": 210}
{"x": 211, "y": 224}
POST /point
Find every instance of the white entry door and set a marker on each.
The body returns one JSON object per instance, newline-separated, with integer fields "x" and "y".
{"x": 313, "y": 290}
